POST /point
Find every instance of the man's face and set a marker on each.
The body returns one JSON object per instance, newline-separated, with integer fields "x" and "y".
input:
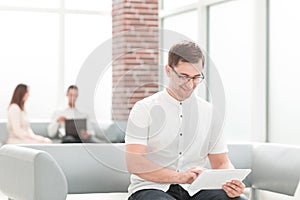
{"x": 72, "y": 97}
{"x": 180, "y": 88}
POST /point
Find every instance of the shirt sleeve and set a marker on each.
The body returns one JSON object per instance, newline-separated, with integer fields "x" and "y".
{"x": 54, "y": 125}
{"x": 90, "y": 128}
{"x": 217, "y": 143}
{"x": 138, "y": 125}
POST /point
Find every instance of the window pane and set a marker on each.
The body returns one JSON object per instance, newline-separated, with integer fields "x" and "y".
{"x": 284, "y": 85}
{"x": 178, "y": 23}
{"x": 170, "y": 4}
{"x": 230, "y": 46}
{"x": 29, "y": 54}
{"x": 179, "y": 30}
{"x": 83, "y": 34}
{"x": 100, "y": 5}
{"x": 31, "y": 3}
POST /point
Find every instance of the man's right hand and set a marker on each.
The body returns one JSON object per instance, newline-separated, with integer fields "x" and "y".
{"x": 61, "y": 119}
{"x": 190, "y": 175}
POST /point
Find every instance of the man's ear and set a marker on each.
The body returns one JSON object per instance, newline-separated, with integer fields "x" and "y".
{"x": 168, "y": 70}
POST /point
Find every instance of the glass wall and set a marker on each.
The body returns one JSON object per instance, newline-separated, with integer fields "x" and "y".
{"x": 284, "y": 70}
{"x": 230, "y": 48}
{"x": 31, "y": 3}
{"x": 28, "y": 54}
{"x": 44, "y": 44}
{"x": 171, "y": 4}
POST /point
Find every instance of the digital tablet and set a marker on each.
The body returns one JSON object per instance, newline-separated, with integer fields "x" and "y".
{"x": 215, "y": 178}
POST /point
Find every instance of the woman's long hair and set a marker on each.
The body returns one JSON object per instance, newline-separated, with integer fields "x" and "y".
{"x": 18, "y": 95}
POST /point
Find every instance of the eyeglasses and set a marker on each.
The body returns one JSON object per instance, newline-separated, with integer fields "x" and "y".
{"x": 184, "y": 78}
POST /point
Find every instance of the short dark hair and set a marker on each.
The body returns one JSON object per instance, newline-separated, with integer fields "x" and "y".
{"x": 72, "y": 87}
{"x": 185, "y": 51}
{"x": 18, "y": 95}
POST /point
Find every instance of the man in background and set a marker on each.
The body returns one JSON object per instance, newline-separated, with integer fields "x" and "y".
{"x": 57, "y": 127}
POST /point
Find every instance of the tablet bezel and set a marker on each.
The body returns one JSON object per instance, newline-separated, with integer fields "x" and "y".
{"x": 215, "y": 178}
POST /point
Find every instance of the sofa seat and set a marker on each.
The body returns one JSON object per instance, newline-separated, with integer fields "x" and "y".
{"x": 97, "y": 196}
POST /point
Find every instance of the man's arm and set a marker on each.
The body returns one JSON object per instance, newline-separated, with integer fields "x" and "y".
{"x": 90, "y": 129}
{"x": 220, "y": 161}
{"x": 233, "y": 188}
{"x": 53, "y": 127}
{"x": 138, "y": 164}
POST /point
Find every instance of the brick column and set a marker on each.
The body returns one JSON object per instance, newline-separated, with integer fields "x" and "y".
{"x": 135, "y": 53}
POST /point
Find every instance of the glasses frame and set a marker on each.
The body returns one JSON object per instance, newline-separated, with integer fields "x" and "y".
{"x": 186, "y": 79}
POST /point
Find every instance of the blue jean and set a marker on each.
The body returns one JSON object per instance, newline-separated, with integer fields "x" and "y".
{"x": 176, "y": 192}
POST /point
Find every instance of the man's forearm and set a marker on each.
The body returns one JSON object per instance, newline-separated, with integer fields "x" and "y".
{"x": 146, "y": 169}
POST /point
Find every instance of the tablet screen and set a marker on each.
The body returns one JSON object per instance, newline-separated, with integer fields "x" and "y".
{"x": 215, "y": 178}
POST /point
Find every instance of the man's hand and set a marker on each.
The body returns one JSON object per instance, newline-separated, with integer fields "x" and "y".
{"x": 190, "y": 175}
{"x": 234, "y": 188}
{"x": 61, "y": 119}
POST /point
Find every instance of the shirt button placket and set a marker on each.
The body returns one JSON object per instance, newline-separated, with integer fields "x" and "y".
{"x": 180, "y": 150}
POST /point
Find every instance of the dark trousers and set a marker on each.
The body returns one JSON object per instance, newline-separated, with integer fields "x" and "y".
{"x": 71, "y": 139}
{"x": 176, "y": 192}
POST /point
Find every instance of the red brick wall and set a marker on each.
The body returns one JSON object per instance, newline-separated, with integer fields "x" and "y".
{"x": 135, "y": 53}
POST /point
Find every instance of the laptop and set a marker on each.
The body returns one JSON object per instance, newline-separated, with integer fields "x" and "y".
{"x": 74, "y": 126}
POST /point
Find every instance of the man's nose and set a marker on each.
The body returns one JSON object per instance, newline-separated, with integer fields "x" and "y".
{"x": 190, "y": 83}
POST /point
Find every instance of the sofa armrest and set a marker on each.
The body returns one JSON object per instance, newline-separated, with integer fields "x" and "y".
{"x": 30, "y": 174}
{"x": 276, "y": 168}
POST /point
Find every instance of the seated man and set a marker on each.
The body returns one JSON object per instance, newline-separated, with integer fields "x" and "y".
{"x": 171, "y": 134}
{"x": 57, "y": 126}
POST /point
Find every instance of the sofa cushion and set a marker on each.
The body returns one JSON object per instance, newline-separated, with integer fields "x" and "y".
{"x": 90, "y": 168}
{"x": 3, "y": 133}
{"x": 110, "y": 131}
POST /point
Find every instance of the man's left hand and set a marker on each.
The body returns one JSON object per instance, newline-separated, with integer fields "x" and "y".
{"x": 234, "y": 188}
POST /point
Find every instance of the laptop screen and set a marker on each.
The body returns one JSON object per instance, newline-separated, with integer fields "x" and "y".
{"x": 74, "y": 126}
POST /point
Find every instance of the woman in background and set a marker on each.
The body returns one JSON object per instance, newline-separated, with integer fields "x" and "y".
{"x": 18, "y": 126}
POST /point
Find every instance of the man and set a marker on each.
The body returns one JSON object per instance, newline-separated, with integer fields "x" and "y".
{"x": 57, "y": 126}
{"x": 171, "y": 134}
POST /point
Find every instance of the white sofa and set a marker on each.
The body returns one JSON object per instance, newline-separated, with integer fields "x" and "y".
{"x": 106, "y": 131}
{"x": 98, "y": 171}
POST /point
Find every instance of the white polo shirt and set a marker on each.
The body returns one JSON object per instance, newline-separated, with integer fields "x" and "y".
{"x": 178, "y": 134}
